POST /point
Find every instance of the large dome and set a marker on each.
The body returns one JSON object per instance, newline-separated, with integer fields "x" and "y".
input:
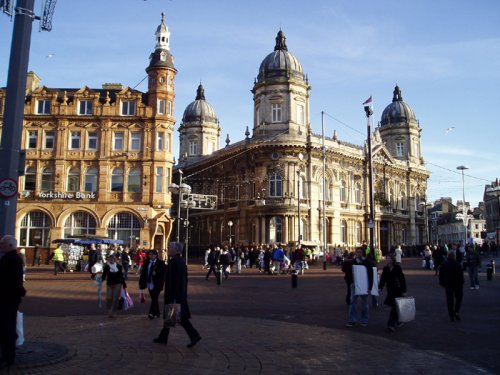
{"x": 280, "y": 63}
{"x": 398, "y": 111}
{"x": 200, "y": 109}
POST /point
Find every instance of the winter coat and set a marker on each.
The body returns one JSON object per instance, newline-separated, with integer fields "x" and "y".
{"x": 395, "y": 281}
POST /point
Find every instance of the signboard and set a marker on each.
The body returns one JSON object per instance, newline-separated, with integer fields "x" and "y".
{"x": 202, "y": 201}
{"x": 8, "y": 187}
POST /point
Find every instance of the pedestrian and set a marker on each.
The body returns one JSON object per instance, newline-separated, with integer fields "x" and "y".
{"x": 213, "y": 260}
{"x": 225, "y": 260}
{"x": 347, "y": 269}
{"x": 360, "y": 288}
{"x": 153, "y": 277}
{"x": 22, "y": 254}
{"x": 37, "y": 256}
{"x": 93, "y": 259}
{"x": 394, "y": 279}
{"x": 139, "y": 257}
{"x": 113, "y": 275}
{"x": 278, "y": 257}
{"x": 399, "y": 254}
{"x": 427, "y": 258}
{"x": 438, "y": 257}
{"x": 451, "y": 277}
{"x": 125, "y": 261}
{"x": 176, "y": 281}
{"x": 11, "y": 292}
{"x": 58, "y": 258}
{"x": 473, "y": 262}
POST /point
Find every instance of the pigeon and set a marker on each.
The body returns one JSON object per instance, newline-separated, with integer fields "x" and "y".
{"x": 451, "y": 128}
{"x": 50, "y": 55}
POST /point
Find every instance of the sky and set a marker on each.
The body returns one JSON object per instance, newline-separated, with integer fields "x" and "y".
{"x": 444, "y": 55}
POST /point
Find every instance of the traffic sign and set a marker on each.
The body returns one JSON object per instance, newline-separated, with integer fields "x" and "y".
{"x": 8, "y": 187}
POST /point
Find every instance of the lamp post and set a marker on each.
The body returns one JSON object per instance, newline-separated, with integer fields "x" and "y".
{"x": 179, "y": 189}
{"x": 301, "y": 157}
{"x": 371, "y": 223}
{"x": 462, "y": 168}
{"x": 187, "y": 204}
{"x": 424, "y": 206}
{"x": 230, "y": 225}
{"x": 324, "y": 189}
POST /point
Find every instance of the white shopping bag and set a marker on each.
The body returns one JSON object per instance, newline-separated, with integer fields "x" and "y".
{"x": 405, "y": 306}
{"x": 20, "y": 329}
{"x": 360, "y": 276}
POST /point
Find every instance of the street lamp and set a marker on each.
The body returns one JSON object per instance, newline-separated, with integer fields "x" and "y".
{"x": 187, "y": 204}
{"x": 230, "y": 225}
{"x": 180, "y": 190}
{"x": 462, "y": 168}
{"x": 423, "y": 204}
{"x": 301, "y": 157}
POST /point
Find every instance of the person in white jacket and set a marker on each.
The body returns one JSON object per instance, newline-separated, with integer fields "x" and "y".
{"x": 398, "y": 253}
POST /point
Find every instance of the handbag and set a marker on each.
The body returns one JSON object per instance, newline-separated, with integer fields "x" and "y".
{"x": 171, "y": 315}
{"x": 405, "y": 307}
{"x": 19, "y": 329}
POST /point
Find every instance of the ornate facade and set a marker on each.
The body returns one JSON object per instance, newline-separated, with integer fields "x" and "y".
{"x": 99, "y": 161}
{"x": 270, "y": 184}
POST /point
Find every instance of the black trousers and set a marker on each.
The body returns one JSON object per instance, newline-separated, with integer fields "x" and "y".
{"x": 58, "y": 266}
{"x": 393, "y": 316}
{"x": 210, "y": 270}
{"x": 454, "y": 300}
{"x": 188, "y": 327}
{"x": 8, "y": 336}
{"x": 154, "y": 309}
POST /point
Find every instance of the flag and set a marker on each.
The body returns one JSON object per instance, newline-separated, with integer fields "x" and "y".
{"x": 368, "y": 101}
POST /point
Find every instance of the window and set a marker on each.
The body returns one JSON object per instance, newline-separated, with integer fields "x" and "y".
{"x": 161, "y": 106}
{"x": 357, "y": 194}
{"x": 135, "y": 141}
{"x": 92, "y": 141}
{"x": 30, "y": 179}
{"x": 169, "y": 108}
{"x": 32, "y": 139}
{"x": 43, "y": 107}
{"x": 35, "y": 229}
{"x": 403, "y": 200}
{"x": 118, "y": 141}
{"x": 276, "y": 108}
{"x": 117, "y": 180}
{"x": 85, "y": 107}
{"x": 210, "y": 147}
{"x": 275, "y": 229}
{"x": 403, "y": 234}
{"x": 79, "y": 223}
{"x": 275, "y": 185}
{"x": 399, "y": 149}
{"x": 193, "y": 147}
{"x": 134, "y": 180}
{"x": 128, "y": 108}
{"x": 300, "y": 114}
{"x": 91, "y": 180}
{"x": 343, "y": 231}
{"x": 358, "y": 232}
{"x": 342, "y": 191}
{"x": 124, "y": 226}
{"x": 160, "y": 141}
{"x": 159, "y": 180}
{"x": 49, "y": 139}
{"x": 73, "y": 180}
{"x": 75, "y": 140}
{"x": 47, "y": 179}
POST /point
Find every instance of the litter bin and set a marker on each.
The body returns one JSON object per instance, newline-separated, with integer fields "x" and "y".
{"x": 295, "y": 279}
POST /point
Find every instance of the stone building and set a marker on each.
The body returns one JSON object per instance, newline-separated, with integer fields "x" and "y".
{"x": 270, "y": 184}
{"x": 99, "y": 160}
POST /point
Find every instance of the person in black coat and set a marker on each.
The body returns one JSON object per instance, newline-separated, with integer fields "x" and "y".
{"x": 176, "y": 280}
{"x": 113, "y": 275}
{"x": 451, "y": 277}
{"x": 93, "y": 259}
{"x": 394, "y": 279}
{"x": 153, "y": 277}
{"x": 11, "y": 292}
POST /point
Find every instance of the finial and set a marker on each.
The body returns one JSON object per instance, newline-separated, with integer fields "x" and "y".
{"x": 247, "y": 133}
{"x": 200, "y": 93}
{"x": 65, "y": 98}
{"x": 335, "y": 135}
{"x": 108, "y": 99}
{"x": 227, "y": 140}
{"x": 281, "y": 42}
{"x": 397, "y": 95}
{"x": 162, "y": 17}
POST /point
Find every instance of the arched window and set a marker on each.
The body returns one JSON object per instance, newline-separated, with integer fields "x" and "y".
{"x": 342, "y": 191}
{"x": 35, "y": 229}
{"x": 79, "y": 223}
{"x": 275, "y": 185}
{"x": 357, "y": 193}
{"x": 73, "y": 180}
{"x": 275, "y": 229}
{"x": 302, "y": 188}
{"x": 327, "y": 190}
{"x": 117, "y": 180}
{"x": 343, "y": 231}
{"x": 403, "y": 234}
{"x": 30, "y": 179}
{"x": 91, "y": 179}
{"x": 391, "y": 197}
{"x": 124, "y": 226}
{"x": 358, "y": 233}
{"x": 134, "y": 180}
{"x": 403, "y": 200}
{"x": 47, "y": 179}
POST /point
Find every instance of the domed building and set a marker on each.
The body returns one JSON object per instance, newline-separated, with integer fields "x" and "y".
{"x": 269, "y": 185}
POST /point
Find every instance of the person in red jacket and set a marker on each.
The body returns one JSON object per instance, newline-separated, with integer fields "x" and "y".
{"x": 139, "y": 257}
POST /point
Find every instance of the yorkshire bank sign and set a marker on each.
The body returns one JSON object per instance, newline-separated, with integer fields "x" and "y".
{"x": 62, "y": 195}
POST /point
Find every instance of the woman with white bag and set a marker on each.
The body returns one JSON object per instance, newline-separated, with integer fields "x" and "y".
{"x": 394, "y": 279}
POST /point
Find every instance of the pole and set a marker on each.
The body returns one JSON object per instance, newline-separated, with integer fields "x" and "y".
{"x": 298, "y": 205}
{"x": 186, "y": 240}
{"x": 464, "y": 209}
{"x": 14, "y": 110}
{"x": 324, "y": 188}
{"x": 371, "y": 223}
{"x": 179, "y": 210}
{"x": 426, "y": 224}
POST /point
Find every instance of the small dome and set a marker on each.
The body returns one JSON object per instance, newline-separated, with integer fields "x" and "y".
{"x": 200, "y": 109}
{"x": 397, "y": 111}
{"x": 280, "y": 63}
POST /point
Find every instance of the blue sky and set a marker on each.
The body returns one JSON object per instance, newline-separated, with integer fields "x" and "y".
{"x": 444, "y": 55}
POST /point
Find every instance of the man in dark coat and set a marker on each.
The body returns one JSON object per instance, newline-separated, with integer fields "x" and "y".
{"x": 451, "y": 277}
{"x": 153, "y": 277}
{"x": 11, "y": 291}
{"x": 176, "y": 280}
{"x": 394, "y": 279}
{"x": 93, "y": 259}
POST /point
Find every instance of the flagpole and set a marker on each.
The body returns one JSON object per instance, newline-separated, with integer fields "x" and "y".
{"x": 324, "y": 188}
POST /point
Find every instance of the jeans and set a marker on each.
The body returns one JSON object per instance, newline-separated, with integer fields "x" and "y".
{"x": 126, "y": 267}
{"x": 454, "y": 300}
{"x": 353, "y": 313}
{"x": 474, "y": 280}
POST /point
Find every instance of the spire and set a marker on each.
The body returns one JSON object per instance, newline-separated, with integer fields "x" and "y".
{"x": 200, "y": 93}
{"x": 162, "y": 35}
{"x": 281, "y": 42}
{"x": 397, "y": 95}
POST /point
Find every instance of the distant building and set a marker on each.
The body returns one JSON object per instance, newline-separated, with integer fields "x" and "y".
{"x": 491, "y": 199}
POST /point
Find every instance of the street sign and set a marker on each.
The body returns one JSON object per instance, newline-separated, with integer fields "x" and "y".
{"x": 8, "y": 187}
{"x": 203, "y": 201}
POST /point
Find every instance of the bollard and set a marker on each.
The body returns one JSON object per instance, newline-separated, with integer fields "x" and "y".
{"x": 218, "y": 275}
{"x": 489, "y": 271}
{"x": 493, "y": 265}
{"x": 295, "y": 279}
{"x": 324, "y": 265}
